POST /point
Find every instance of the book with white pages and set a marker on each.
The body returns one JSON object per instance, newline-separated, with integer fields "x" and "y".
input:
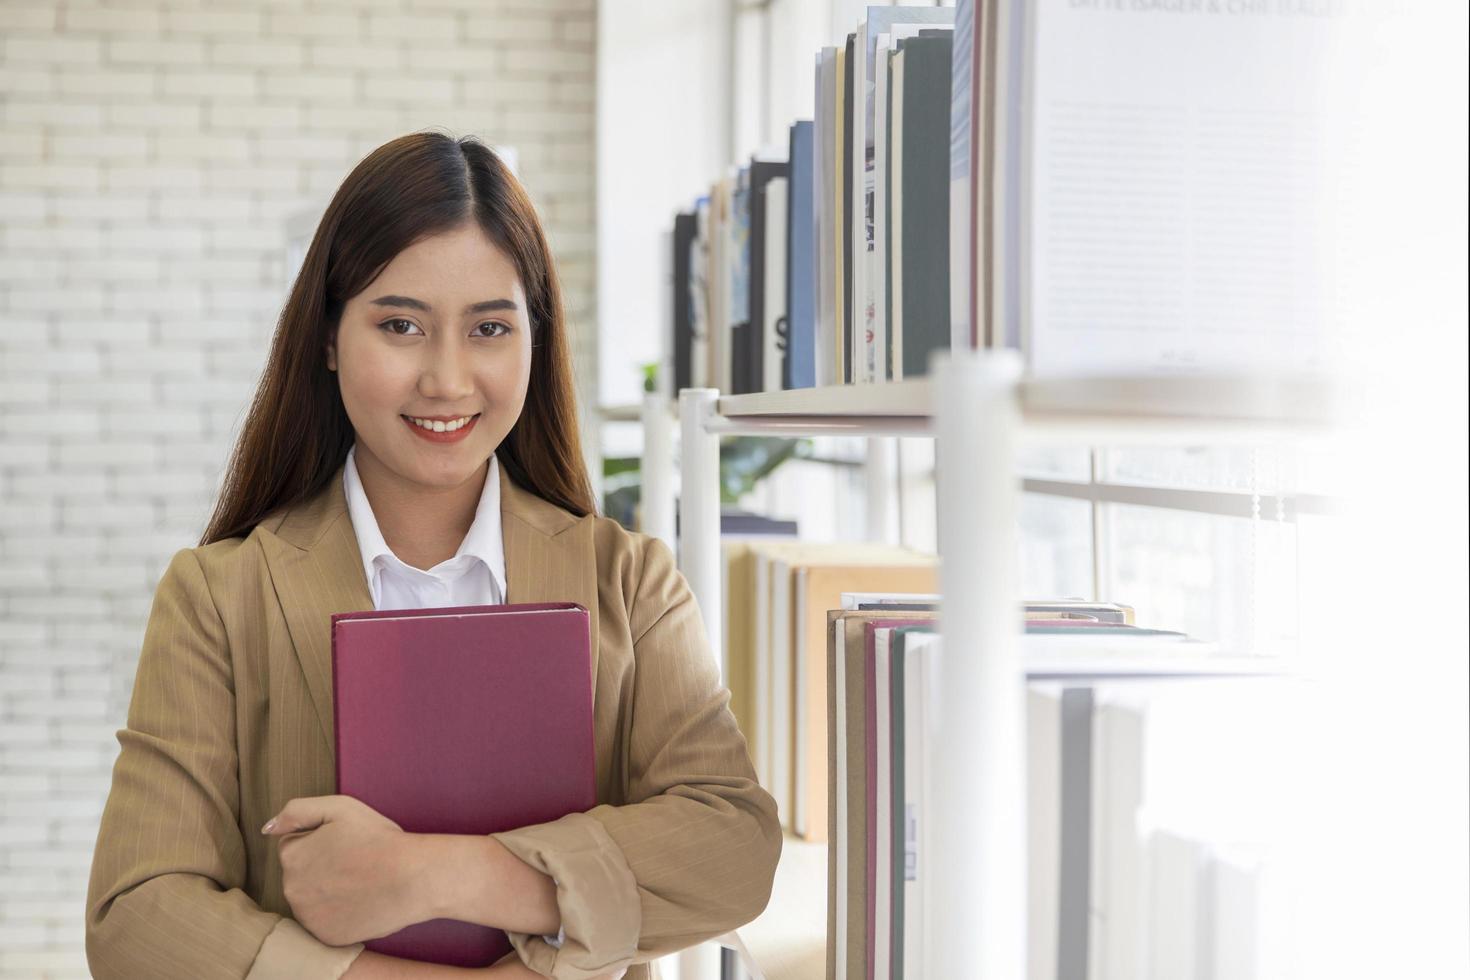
{"x": 962, "y": 279}
{"x": 1117, "y": 884}
{"x": 921, "y": 939}
{"x": 882, "y": 831}
{"x": 885, "y": 195}
{"x": 717, "y": 347}
{"x": 881, "y": 201}
{"x": 763, "y": 750}
{"x": 824, "y": 171}
{"x": 910, "y": 797}
{"x": 1043, "y": 829}
{"x": 1190, "y": 233}
{"x": 774, "y": 310}
{"x": 972, "y": 141}
{"x": 856, "y": 600}
{"x": 850, "y": 872}
{"x": 738, "y": 273}
{"x": 879, "y": 20}
{"x": 901, "y": 777}
{"x": 816, "y": 590}
{"x": 783, "y": 694}
{"x": 896, "y": 211}
{"x": 837, "y": 792}
{"x": 699, "y": 299}
{"x": 1176, "y": 868}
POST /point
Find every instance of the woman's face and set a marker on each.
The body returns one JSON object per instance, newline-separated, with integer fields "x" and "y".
{"x": 442, "y": 333}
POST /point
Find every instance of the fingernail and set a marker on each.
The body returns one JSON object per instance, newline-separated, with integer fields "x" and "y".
{"x": 267, "y": 828}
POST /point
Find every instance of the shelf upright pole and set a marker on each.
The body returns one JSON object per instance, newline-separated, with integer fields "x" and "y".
{"x": 657, "y": 498}
{"x": 976, "y": 856}
{"x": 879, "y": 471}
{"x": 699, "y": 560}
{"x": 699, "y": 512}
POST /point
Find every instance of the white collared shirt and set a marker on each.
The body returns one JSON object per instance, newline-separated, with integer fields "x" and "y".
{"x": 475, "y": 576}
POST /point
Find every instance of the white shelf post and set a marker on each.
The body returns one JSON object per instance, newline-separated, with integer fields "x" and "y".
{"x": 879, "y": 471}
{"x": 699, "y": 512}
{"x": 657, "y": 498}
{"x": 975, "y": 860}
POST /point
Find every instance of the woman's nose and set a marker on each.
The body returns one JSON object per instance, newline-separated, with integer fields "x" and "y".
{"x": 445, "y": 373}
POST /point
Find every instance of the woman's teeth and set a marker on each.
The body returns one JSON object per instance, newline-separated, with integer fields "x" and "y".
{"x": 433, "y": 426}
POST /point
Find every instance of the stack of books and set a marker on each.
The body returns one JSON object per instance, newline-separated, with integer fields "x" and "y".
{"x": 882, "y": 651}
{"x": 1108, "y": 191}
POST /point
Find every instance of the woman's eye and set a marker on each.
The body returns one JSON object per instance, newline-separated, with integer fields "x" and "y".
{"x": 496, "y": 328}
{"x": 392, "y": 327}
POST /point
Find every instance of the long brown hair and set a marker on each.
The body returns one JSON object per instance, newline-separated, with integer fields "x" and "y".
{"x": 297, "y": 433}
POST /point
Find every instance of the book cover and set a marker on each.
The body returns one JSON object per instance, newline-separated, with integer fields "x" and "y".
{"x": 683, "y": 311}
{"x": 824, "y": 196}
{"x": 774, "y": 313}
{"x": 801, "y": 274}
{"x": 848, "y": 850}
{"x": 762, "y": 173}
{"x": 818, "y": 590}
{"x": 440, "y": 714}
{"x": 921, "y": 313}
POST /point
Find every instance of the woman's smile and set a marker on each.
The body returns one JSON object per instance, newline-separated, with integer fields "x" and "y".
{"x": 441, "y": 430}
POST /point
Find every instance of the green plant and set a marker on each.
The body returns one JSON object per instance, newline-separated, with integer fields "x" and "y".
{"x": 744, "y": 462}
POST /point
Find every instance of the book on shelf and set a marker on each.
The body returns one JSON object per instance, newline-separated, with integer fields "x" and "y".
{"x": 824, "y": 194}
{"x": 863, "y": 349}
{"x": 685, "y": 230}
{"x": 783, "y": 590}
{"x": 717, "y": 371}
{"x": 699, "y": 296}
{"x": 735, "y": 354}
{"x": 921, "y": 81}
{"x": 1001, "y": 174}
{"x": 1085, "y": 764}
{"x": 802, "y": 274}
{"x": 1168, "y": 236}
{"x": 817, "y": 589}
{"x": 760, "y": 363}
{"x": 846, "y": 213}
{"x": 774, "y": 314}
{"x": 847, "y": 676}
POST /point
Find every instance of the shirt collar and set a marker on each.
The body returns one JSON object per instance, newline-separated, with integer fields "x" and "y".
{"x": 482, "y": 541}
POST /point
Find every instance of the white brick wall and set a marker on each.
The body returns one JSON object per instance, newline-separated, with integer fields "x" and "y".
{"x": 151, "y": 153}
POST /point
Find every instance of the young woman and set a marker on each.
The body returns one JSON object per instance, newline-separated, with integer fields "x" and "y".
{"x": 413, "y": 443}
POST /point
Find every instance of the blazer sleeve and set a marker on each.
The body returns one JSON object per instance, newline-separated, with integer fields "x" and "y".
{"x": 694, "y": 854}
{"x": 165, "y": 897}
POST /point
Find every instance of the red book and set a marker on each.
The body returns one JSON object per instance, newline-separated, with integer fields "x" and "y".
{"x": 464, "y": 720}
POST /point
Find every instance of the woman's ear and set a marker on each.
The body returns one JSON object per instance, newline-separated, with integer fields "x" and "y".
{"x": 332, "y": 351}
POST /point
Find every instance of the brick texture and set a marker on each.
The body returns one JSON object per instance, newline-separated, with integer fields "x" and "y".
{"x": 152, "y": 157}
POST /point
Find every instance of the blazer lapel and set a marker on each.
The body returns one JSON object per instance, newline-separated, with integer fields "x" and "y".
{"x": 316, "y": 568}
{"x": 549, "y": 555}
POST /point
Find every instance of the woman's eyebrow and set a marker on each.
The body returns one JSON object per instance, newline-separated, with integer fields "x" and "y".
{"x": 418, "y": 304}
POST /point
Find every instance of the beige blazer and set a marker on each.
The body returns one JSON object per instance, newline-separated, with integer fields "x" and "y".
{"x": 231, "y": 717}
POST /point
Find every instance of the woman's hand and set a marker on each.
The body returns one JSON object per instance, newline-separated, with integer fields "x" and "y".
{"x": 345, "y": 870}
{"x": 511, "y": 968}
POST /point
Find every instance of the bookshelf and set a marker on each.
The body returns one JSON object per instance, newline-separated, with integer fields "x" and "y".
{"x": 981, "y": 410}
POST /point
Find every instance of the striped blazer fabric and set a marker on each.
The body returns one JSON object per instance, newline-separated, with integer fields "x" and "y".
{"x": 231, "y": 717}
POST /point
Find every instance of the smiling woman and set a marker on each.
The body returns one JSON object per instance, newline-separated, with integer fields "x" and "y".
{"x": 424, "y": 366}
{"x": 429, "y": 256}
{"x": 413, "y": 442}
